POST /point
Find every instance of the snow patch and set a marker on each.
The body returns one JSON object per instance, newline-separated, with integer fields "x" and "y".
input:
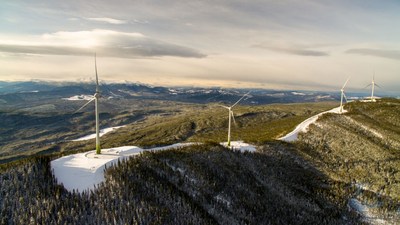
{"x": 240, "y": 145}
{"x": 303, "y": 126}
{"x": 101, "y": 133}
{"x": 276, "y": 95}
{"x": 79, "y": 98}
{"x": 178, "y": 145}
{"x": 35, "y": 91}
{"x": 323, "y": 96}
{"x": 366, "y": 212}
{"x": 298, "y": 93}
{"x": 353, "y": 98}
{"x": 220, "y": 198}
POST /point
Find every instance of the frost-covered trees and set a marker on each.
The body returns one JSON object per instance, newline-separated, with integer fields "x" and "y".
{"x": 203, "y": 184}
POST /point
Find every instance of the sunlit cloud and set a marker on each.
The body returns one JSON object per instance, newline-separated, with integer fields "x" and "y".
{"x": 105, "y": 42}
{"x": 292, "y": 49}
{"x": 107, "y": 20}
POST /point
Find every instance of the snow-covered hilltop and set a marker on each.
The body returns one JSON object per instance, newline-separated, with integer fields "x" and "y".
{"x": 84, "y": 171}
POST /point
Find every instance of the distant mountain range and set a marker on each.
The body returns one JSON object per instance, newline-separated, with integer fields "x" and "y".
{"x": 13, "y": 94}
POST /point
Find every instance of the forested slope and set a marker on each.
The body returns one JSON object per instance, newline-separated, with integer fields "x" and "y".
{"x": 361, "y": 148}
{"x": 205, "y": 184}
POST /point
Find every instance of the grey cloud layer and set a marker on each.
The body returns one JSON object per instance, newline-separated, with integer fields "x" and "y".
{"x": 302, "y": 51}
{"x": 389, "y": 54}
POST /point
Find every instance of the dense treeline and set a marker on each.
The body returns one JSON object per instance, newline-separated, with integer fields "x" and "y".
{"x": 205, "y": 184}
{"x": 29, "y": 194}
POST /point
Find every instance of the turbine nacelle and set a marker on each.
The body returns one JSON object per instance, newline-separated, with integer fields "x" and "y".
{"x": 373, "y": 84}
{"x": 343, "y": 95}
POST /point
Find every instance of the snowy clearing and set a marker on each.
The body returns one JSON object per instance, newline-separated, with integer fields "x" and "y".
{"x": 84, "y": 171}
{"x": 79, "y": 98}
{"x": 303, "y": 126}
{"x": 101, "y": 133}
{"x": 240, "y": 145}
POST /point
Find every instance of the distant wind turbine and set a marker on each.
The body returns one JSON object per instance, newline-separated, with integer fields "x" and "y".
{"x": 343, "y": 95}
{"x": 373, "y": 84}
{"x": 96, "y": 103}
{"x": 231, "y": 116}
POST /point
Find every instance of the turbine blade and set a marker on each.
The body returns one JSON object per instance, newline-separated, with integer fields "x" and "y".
{"x": 87, "y": 103}
{"x": 367, "y": 86}
{"x": 240, "y": 99}
{"x": 377, "y": 85}
{"x": 233, "y": 117}
{"x": 344, "y": 95}
{"x": 346, "y": 83}
{"x": 226, "y": 107}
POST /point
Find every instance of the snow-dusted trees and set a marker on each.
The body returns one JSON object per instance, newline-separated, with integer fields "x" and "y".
{"x": 360, "y": 149}
{"x": 203, "y": 184}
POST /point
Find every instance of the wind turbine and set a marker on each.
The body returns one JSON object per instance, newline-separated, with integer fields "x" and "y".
{"x": 343, "y": 95}
{"x": 373, "y": 87}
{"x": 96, "y": 105}
{"x": 231, "y": 116}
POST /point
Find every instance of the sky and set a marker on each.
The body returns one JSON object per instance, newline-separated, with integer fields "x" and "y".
{"x": 285, "y": 44}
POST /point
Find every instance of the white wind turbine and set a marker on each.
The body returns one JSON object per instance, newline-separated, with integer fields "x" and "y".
{"x": 96, "y": 104}
{"x": 373, "y": 84}
{"x": 343, "y": 95}
{"x": 231, "y": 116}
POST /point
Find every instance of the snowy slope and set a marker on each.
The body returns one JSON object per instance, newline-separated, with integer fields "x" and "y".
{"x": 303, "y": 126}
{"x": 79, "y": 98}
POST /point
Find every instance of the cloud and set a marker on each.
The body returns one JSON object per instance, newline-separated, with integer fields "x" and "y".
{"x": 104, "y": 42}
{"x": 302, "y": 52}
{"x": 389, "y": 54}
{"x": 293, "y": 50}
{"x": 107, "y": 20}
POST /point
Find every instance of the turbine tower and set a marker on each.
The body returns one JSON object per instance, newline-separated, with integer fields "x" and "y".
{"x": 96, "y": 105}
{"x": 231, "y": 116}
{"x": 343, "y": 95}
